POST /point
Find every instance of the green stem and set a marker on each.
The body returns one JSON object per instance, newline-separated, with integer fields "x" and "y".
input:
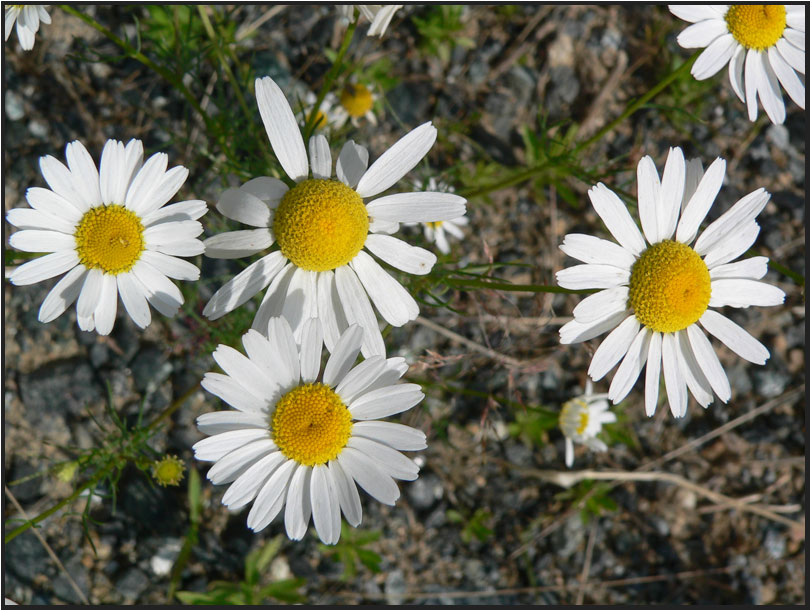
{"x": 632, "y": 108}
{"x": 463, "y": 283}
{"x": 137, "y": 55}
{"x": 782, "y": 269}
{"x": 329, "y": 79}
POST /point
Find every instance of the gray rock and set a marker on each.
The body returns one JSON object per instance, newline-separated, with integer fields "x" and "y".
{"x": 61, "y": 585}
{"x": 410, "y": 102}
{"x": 38, "y": 129}
{"x": 518, "y": 453}
{"x": 150, "y": 369}
{"x": 425, "y": 491}
{"x": 778, "y": 135}
{"x": 29, "y": 560}
{"x": 395, "y": 585}
{"x": 775, "y": 544}
{"x": 15, "y": 110}
{"x": 132, "y": 583}
{"x": 770, "y": 382}
{"x": 61, "y": 387}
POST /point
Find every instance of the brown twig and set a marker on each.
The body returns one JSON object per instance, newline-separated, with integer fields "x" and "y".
{"x": 590, "y": 546}
{"x": 455, "y": 337}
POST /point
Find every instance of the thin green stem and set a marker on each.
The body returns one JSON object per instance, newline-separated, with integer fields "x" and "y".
{"x": 631, "y": 108}
{"x": 329, "y": 79}
{"x": 135, "y": 54}
{"x": 463, "y": 283}
{"x": 782, "y": 269}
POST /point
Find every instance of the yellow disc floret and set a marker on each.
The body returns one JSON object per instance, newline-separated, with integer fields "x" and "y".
{"x": 574, "y": 417}
{"x": 321, "y": 224}
{"x": 670, "y": 287}
{"x": 168, "y": 471}
{"x": 756, "y": 26}
{"x": 311, "y": 425}
{"x": 109, "y": 237}
{"x": 356, "y": 99}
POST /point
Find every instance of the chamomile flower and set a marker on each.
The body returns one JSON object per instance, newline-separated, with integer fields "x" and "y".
{"x": 28, "y": 18}
{"x": 762, "y": 45}
{"x": 323, "y": 229}
{"x": 656, "y": 296}
{"x": 379, "y": 15}
{"x": 581, "y": 420}
{"x": 302, "y": 441}
{"x": 327, "y": 116}
{"x": 356, "y": 102}
{"x": 438, "y": 231}
{"x": 109, "y": 232}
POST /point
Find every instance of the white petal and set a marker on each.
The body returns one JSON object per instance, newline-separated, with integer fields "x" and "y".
{"x": 734, "y": 337}
{"x": 89, "y": 296}
{"x": 379, "y": 226}
{"x": 268, "y": 189}
{"x": 245, "y": 372}
{"x": 233, "y": 393}
{"x": 735, "y": 69}
{"x": 172, "y": 267}
{"x": 700, "y": 203}
{"x": 702, "y": 33}
{"x": 714, "y": 57}
{"x": 273, "y": 302}
{"x": 795, "y": 36}
{"x": 670, "y": 194}
{"x": 301, "y": 302}
{"x": 280, "y": 337}
{"x": 752, "y": 68}
{"x": 134, "y": 300}
{"x": 629, "y": 370}
{"x": 244, "y": 286}
{"x": 615, "y": 216}
{"x": 321, "y": 162}
{"x": 369, "y": 476}
{"x": 787, "y": 76}
{"x": 602, "y": 304}
{"x": 693, "y": 175}
{"x": 613, "y": 348}
{"x": 161, "y": 293}
{"x": 172, "y": 232}
{"x": 709, "y": 362}
{"x": 593, "y": 250}
{"x": 230, "y": 467}
{"x": 213, "y": 423}
{"x": 592, "y": 276}
{"x": 648, "y": 194}
{"x": 697, "y": 12}
{"x": 569, "y": 452}
{"x": 400, "y": 437}
{"x": 331, "y": 314}
{"x": 282, "y": 129}
{"x": 295, "y": 520}
{"x": 347, "y": 492}
{"x": 85, "y": 174}
{"x": 399, "y": 159}
{"x": 245, "y": 488}
{"x": 743, "y": 292}
{"x": 698, "y": 385}
{"x": 401, "y": 255}
{"x": 732, "y": 245}
{"x": 60, "y": 180}
{"x": 310, "y": 356}
{"x": 49, "y": 202}
{"x": 180, "y": 211}
{"x": 359, "y": 378}
{"x": 326, "y": 509}
{"x": 394, "y": 303}
{"x": 352, "y": 163}
{"x": 240, "y": 243}
{"x": 654, "y": 362}
{"x": 62, "y": 295}
{"x": 391, "y": 461}
{"x": 41, "y": 241}
{"x": 743, "y": 211}
{"x": 385, "y": 401}
{"x": 358, "y": 310}
{"x": 239, "y": 205}
{"x": 145, "y": 183}
{"x": 575, "y": 331}
{"x": 343, "y": 356}
{"x": 769, "y": 91}
{"x": 753, "y": 268}
{"x": 218, "y": 446}
{"x": 794, "y": 56}
{"x": 44, "y": 267}
{"x": 674, "y": 382}
{"x": 417, "y": 206}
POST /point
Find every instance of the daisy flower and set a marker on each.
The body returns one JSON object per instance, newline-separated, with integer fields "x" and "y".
{"x": 438, "y": 231}
{"x": 28, "y": 18}
{"x": 582, "y": 419}
{"x": 323, "y": 229}
{"x": 327, "y": 116}
{"x": 356, "y": 102}
{"x": 379, "y": 15}
{"x": 765, "y": 42}
{"x": 302, "y": 441}
{"x": 109, "y": 232}
{"x": 656, "y": 296}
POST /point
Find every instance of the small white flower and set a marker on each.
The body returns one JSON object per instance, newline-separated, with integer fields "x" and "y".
{"x": 28, "y": 18}
{"x": 302, "y": 441}
{"x": 767, "y": 42}
{"x": 437, "y": 231}
{"x": 356, "y": 102}
{"x": 653, "y": 297}
{"x": 109, "y": 232}
{"x": 328, "y": 115}
{"x": 379, "y": 15}
{"x": 323, "y": 228}
{"x": 582, "y": 419}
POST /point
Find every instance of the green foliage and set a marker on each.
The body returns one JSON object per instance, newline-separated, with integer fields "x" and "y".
{"x": 475, "y": 526}
{"x": 350, "y": 551}
{"x": 440, "y": 30}
{"x": 595, "y": 495}
{"x": 531, "y": 425}
{"x": 251, "y": 591}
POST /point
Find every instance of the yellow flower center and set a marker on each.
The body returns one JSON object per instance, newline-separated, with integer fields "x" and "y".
{"x": 434, "y": 224}
{"x": 670, "y": 287}
{"x": 756, "y": 26}
{"x": 574, "y": 417}
{"x": 311, "y": 425}
{"x": 168, "y": 471}
{"x": 356, "y": 99}
{"x": 109, "y": 237}
{"x": 321, "y": 120}
{"x": 321, "y": 224}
